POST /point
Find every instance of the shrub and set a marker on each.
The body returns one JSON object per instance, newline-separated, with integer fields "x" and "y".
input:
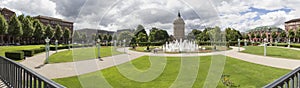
{"x": 36, "y": 51}
{"x": 15, "y": 55}
{"x": 28, "y": 53}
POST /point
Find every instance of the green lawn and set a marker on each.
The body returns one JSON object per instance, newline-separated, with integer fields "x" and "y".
{"x": 273, "y": 52}
{"x": 4, "y": 49}
{"x": 245, "y": 74}
{"x": 81, "y": 54}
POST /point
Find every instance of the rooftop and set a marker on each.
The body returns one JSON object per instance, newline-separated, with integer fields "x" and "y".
{"x": 266, "y": 28}
{"x": 51, "y": 18}
{"x": 293, "y": 20}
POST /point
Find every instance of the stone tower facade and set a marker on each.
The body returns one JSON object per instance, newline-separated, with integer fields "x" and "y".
{"x": 179, "y": 26}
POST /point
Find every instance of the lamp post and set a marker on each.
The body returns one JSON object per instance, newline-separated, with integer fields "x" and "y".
{"x": 115, "y": 43}
{"x": 124, "y": 44}
{"x": 239, "y": 44}
{"x": 289, "y": 43}
{"x": 245, "y": 42}
{"x": 47, "y": 40}
{"x": 265, "y": 47}
{"x": 56, "y": 43}
{"x": 69, "y": 44}
{"x": 98, "y": 46}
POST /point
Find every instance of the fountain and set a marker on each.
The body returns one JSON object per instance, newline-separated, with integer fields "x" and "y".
{"x": 180, "y": 46}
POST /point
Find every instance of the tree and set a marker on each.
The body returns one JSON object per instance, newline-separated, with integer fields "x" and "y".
{"x": 76, "y": 36}
{"x": 49, "y": 32}
{"x": 291, "y": 34}
{"x": 193, "y": 34}
{"x": 264, "y": 35}
{"x": 125, "y": 35}
{"x": 3, "y": 27}
{"x": 274, "y": 35}
{"x": 297, "y": 34}
{"x": 15, "y": 28}
{"x": 283, "y": 36}
{"x": 252, "y": 35}
{"x": 58, "y": 32}
{"x": 142, "y": 37}
{"x": 140, "y": 29}
{"x": 105, "y": 38}
{"x": 158, "y": 35}
{"x": 28, "y": 29}
{"x": 67, "y": 34}
{"x": 110, "y": 38}
{"x": 83, "y": 37}
{"x": 39, "y": 32}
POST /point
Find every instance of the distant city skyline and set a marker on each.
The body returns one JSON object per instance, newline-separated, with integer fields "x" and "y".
{"x": 112, "y": 15}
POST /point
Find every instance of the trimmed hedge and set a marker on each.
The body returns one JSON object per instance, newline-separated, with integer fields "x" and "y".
{"x": 36, "y": 51}
{"x": 15, "y": 55}
{"x": 28, "y": 53}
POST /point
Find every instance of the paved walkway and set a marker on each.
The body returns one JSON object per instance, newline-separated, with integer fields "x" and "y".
{"x": 60, "y": 70}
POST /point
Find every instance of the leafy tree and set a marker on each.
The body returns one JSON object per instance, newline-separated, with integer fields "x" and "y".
{"x": 3, "y": 27}
{"x": 142, "y": 37}
{"x": 193, "y": 34}
{"x": 246, "y": 36}
{"x": 67, "y": 34}
{"x": 76, "y": 36}
{"x": 28, "y": 29}
{"x": 291, "y": 34}
{"x": 125, "y": 35}
{"x": 258, "y": 35}
{"x": 297, "y": 34}
{"x": 39, "y": 32}
{"x": 100, "y": 36}
{"x": 264, "y": 35}
{"x": 214, "y": 33}
{"x": 283, "y": 35}
{"x": 140, "y": 29}
{"x": 49, "y": 32}
{"x": 158, "y": 35}
{"x": 58, "y": 32}
{"x": 274, "y": 35}
{"x": 84, "y": 37}
{"x": 15, "y": 28}
{"x": 252, "y": 35}
{"x": 105, "y": 38}
{"x": 110, "y": 38}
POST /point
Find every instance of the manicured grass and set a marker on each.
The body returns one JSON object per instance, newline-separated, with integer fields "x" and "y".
{"x": 4, "y": 49}
{"x": 245, "y": 74}
{"x": 81, "y": 54}
{"x": 273, "y": 52}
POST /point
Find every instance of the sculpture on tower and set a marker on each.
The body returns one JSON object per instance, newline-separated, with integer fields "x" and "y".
{"x": 178, "y": 27}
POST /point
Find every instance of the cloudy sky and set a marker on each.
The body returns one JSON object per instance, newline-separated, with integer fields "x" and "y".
{"x": 121, "y": 14}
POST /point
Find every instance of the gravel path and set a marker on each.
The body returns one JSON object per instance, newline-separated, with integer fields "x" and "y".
{"x": 61, "y": 70}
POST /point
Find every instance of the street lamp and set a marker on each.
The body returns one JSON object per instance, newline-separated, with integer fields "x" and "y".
{"x": 69, "y": 44}
{"x": 124, "y": 44}
{"x": 239, "y": 44}
{"x": 289, "y": 43}
{"x": 265, "y": 46}
{"x": 47, "y": 40}
{"x": 56, "y": 43}
{"x": 98, "y": 46}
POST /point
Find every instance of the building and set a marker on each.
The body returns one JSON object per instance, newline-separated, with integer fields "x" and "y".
{"x": 179, "y": 26}
{"x": 292, "y": 24}
{"x": 55, "y": 21}
{"x": 7, "y": 13}
{"x": 91, "y": 31}
{"x": 260, "y": 31}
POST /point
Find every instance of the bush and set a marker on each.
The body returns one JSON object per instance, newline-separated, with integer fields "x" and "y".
{"x": 15, "y": 55}
{"x": 28, "y": 53}
{"x": 36, "y": 51}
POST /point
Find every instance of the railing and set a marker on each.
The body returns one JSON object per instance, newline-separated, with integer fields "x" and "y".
{"x": 290, "y": 80}
{"x": 15, "y": 75}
